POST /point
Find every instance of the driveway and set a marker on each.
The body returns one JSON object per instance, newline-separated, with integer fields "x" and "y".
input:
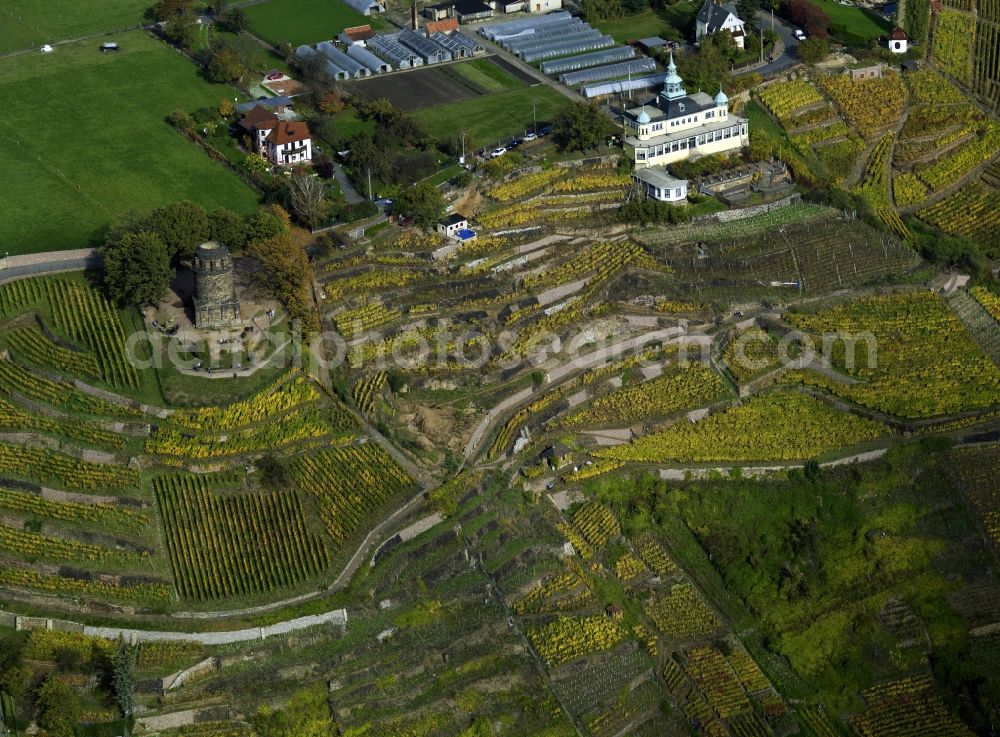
{"x": 788, "y": 58}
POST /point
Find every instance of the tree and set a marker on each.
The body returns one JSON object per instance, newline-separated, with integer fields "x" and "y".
{"x": 228, "y": 228}
{"x": 182, "y": 28}
{"x": 137, "y": 269}
{"x": 332, "y": 102}
{"x": 123, "y": 677}
{"x": 226, "y": 107}
{"x": 324, "y": 166}
{"x": 225, "y": 66}
{"x": 747, "y": 10}
{"x": 234, "y": 20}
{"x": 814, "y": 49}
{"x": 287, "y": 275}
{"x": 307, "y": 197}
{"x": 597, "y": 10}
{"x": 808, "y": 15}
{"x": 263, "y": 226}
{"x": 423, "y": 203}
{"x": 580, "y": 126}
{"x": 181, "y": 226}
{"x": 255, "y": 163}
{"x": 58, "y": 708}
{"x": 164, "y": 10}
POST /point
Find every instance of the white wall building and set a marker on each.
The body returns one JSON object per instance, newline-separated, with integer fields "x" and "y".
{"x": 677, "y": 125}
{"x": 899, "y": 42}
{"x": 451, "y": 225}
{"x": 714, "y": 17}
{"x": 289, "y": 144}
{"x": 658, "y": 184}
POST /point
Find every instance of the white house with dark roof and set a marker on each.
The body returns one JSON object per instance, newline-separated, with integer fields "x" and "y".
{"x": 677, "y": 125}
{"x": 714, "y": 17}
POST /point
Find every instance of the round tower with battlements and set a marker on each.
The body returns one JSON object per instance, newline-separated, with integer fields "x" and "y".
{"x": 215, "y": 303}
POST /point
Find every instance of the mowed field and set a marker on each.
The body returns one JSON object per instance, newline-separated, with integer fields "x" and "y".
{"x": 25, "y": 23}
{"x": 485, "y": 96}
{"x": 303, "y": 21}
{"x": 492, "y": 118}
{"x": 674, "y": 22}
{"x": 854, "y": 19}
{"x": 86, "y": 140}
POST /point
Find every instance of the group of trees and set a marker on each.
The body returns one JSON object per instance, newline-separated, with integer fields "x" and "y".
{"x": 57, "y": 706}
{"x": 141, "y": 252}
{"x": 580, "y": 126}
{"x": 807, "y": 15}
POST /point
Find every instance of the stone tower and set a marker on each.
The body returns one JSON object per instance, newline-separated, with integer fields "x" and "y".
{"x": 215, "y": 303}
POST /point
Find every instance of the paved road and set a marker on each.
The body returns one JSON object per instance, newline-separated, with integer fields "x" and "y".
{"x": 789, "y": 58}
{"x": 16, "y": 267}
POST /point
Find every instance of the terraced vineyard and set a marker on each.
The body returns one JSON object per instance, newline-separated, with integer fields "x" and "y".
{"x": 225, "y": 545}
{"x": 927, "y": 363}
{"x": 349, "y": 485}
{"x": 977, "y": 472}
{"x": 767, "y": 427}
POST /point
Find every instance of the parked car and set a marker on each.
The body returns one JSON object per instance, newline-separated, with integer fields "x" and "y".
{"x": 497, "y": 152}
{"x": 800, "y": 34}
{"x": 529, "y": 137}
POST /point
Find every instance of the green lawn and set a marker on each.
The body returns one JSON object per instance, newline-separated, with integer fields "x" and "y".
{"x": 854, "y": 20}
{"x": 86, "y": 140}
{"x": 674, "y": 22}
{"x": 491, "y": 118}
{"x": 304, "y": 21}
{"x": 25, "y": 23}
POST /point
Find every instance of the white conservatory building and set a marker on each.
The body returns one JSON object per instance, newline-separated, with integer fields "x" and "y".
{"x": 677, "y": 125}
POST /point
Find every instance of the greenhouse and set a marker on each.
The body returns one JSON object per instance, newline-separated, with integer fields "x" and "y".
{"x": 546, "y": 32}
{"x": 426, "y": 49}
{"x": 564, "y": 48}
{"x": 365, "y": 7}
{"x": 599, "y": 89}
{"x": 497, "y": 31}
{"x": 607, "y": 56}
{"x": 363, "y": 55}
{"x": 585, "y": 33}
{"x": 352, "y": 66}
{"x": 394, "y": 52}
{"x": 305, "y": 53}
{"x": 460, "y": 45}
{"x": 610, "y": 71}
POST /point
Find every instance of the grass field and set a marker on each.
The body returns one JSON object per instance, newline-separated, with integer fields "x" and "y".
{"x": 674, "y": 22}
{"x": 87, "y": 140}
{"x": 304, "y": 21}
{"x": 25, "y": 23}
{"x": 854, "y": 20}
{"x": 493, "y": 117}
{"x": 486, "y": 75}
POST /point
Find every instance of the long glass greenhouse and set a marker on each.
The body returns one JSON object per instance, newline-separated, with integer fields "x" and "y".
{"x": 564, "y": 48}
{"x": 496, "y": 31}
{"x": 560, "y": 40}
{"x": 553, "y": 30}
{"x": 610, "y": 71}
{"x": 352, "y": 66}
{"x": 617, "y": 87}
{"x": 606, "y": 56}
{"x": 360, "y": 53}
{"x": 305, "y": 53}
